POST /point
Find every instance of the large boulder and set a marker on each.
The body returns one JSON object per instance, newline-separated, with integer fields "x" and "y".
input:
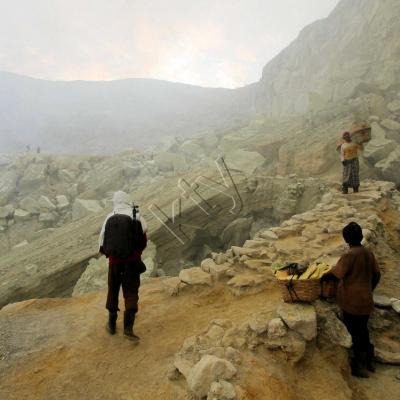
{"x": 379, "y": 147}
{"x": 31, "y": 205}
{"x": 301, "y": 318}
{"x": 245, "y": 161}
{"x": 390, "y": 166}
{"x": 81, "y": 208}
{"x": 62, "y": 202}
{"x": 208, "y": 370}
{"x": 94, "y": 278}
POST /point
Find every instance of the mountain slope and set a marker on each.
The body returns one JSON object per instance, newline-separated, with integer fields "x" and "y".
{"x": 357, "y": 43}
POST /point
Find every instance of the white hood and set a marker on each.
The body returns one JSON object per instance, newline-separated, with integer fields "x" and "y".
{"x": 121, "y": 200}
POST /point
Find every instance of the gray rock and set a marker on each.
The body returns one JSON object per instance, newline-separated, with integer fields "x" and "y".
{"x": 208, "y": 370}
{"x": 390, "y": 166}
{"x": 62, "y": 202}
{"x": 268, "y": 234}
{"x": 301, "y": 318}
{"x": 8, "y": 182}
{"x": 81, "y": 208}
{"x": 246, "y": 161}
{"x": 7, "y": 211}
{"x": 382, "y": 301}
{"x": 394, "y": 106}
{"x": 237, "y": 232}
{"x": 292, "y": 344}
{"x": 21, "y": 215}
{"x": 33, "y": 177}
{"x": 391, "y": 124}
{"x": 221, "y": 390}
{"x": 387, "y": 357}
{"x": 207, "y": 264}
{"x": 47, "y": 218}
{"x": 396, "y": 306}
{"x": 195, "y": 276}
{"x": 336, "y": 331}
{"x": 170, "y": 162}
{"x": 31, "y": 205}
{"x": 276, "y": 329}
{"x": 46, "y": 204}
{"x": 379, "y": 147}
{"x": 66, "y": 176}
{"x": 93, "y": 279}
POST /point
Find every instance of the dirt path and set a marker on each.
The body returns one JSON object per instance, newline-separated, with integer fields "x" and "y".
{"x": 59, "y": 349}
{"x": 75, "y": 358}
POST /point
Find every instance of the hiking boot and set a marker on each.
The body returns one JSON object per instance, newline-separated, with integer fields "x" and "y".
{"x": 112, "y": 323}
{"x": 129, "y": 320}
{"x": 355, "y": 189}
{"x": 345, "y": 189}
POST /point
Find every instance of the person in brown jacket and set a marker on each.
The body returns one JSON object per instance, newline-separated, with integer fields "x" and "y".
{"x": 358, "y": 274}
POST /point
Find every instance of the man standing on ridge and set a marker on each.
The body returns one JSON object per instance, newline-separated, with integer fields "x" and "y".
{"x": 122, "y": 240}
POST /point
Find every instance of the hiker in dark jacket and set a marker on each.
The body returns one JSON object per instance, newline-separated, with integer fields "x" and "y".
{"x": 358, "y": 274}
{"x": 123, "y": 250}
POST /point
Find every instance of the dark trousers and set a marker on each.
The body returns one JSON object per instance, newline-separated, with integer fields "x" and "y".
{"x": 357, "y": 325}
{"x": 124, "y": 275}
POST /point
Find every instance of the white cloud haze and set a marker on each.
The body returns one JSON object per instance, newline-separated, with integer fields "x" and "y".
{"x": 202, "y": 42}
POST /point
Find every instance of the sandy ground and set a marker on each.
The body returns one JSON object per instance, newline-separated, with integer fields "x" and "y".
{"x": 59, "y": 349}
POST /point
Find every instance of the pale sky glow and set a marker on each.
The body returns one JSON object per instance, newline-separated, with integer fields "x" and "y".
{"x": 203, "y": 42}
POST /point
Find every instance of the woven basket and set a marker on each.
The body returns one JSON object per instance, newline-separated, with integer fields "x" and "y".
{"x": 328, "y": 289}
{"x": 300, "y": 290}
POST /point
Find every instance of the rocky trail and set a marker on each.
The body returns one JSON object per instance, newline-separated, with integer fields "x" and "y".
{"x": 221, "y": 329}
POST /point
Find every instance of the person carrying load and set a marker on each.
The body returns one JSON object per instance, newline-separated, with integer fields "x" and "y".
{"x": 122, "y": 240}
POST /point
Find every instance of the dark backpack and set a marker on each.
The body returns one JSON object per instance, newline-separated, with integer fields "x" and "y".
{"x": 122, "y": 236}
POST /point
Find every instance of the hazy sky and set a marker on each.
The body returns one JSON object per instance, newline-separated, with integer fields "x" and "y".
{"x": 203, "y": 42}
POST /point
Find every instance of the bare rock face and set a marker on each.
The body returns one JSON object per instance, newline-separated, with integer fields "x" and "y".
{"x": 301, "y": 318}
{"x": 317, "y": 67}
{"x": 208, "y": 370}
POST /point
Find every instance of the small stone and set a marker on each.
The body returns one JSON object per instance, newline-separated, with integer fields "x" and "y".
{"x": 195, "y": 276}
{"x": 268, "y": 234}
{"x": 208, "y": 370}
{"x": 207, "y": 264}
{"x": 382, "y": 301}
{"x": 46, "y": 204}
{"x": 215, "y": 333}
{"x": 21, "y": 215}
{"x": 276, "y": 329}
{"x": 173, "y": 373}
{"x": 396, "y": 306}
{"x": 221, "y": 390}
{"x": 301, "y": 318}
